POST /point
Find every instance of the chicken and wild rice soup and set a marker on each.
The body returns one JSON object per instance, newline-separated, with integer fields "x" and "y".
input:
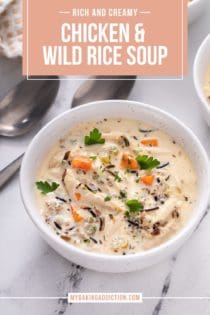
{"x": 116, "y": 187}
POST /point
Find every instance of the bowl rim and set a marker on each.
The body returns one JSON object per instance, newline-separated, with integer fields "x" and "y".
{"x": 184, "y": 233}
{"x": 200, "y": 52}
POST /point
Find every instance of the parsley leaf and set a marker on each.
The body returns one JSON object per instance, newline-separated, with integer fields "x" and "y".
{"x": 134, "y": 206}
{"x": 107, "y": 198}
{"x": 94, "y": 138}
{"x": 117, "y": 178}
{"x": 46, "y": 188}
{"x": 147, "y": 162}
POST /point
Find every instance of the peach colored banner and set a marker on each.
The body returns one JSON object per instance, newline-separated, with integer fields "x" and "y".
{"x": 133, "y": 37}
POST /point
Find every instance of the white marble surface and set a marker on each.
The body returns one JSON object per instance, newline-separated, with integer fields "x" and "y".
{"x": 29, "y": 267}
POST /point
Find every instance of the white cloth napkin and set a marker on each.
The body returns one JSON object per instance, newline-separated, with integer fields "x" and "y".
{"x": 11, "y": 28}
{"x": 4, "y": 4}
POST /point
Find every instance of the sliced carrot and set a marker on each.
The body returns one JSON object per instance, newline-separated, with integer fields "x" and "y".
{"x": 150, "y": 142}
{"x": 82, "y": 162}
{"x": 129, "y": 162}
{"x": 147, "y": 179}
{"x": 76, "y": 216}
{"x": 78, "y": 196}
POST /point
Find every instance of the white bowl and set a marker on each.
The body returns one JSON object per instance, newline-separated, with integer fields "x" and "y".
{"x": 195, "y": 8}
{"x": 201, "y": 64}
{"x": 59, "y": 126}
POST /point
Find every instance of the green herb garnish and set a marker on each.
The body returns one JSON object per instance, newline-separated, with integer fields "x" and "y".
{"x": 94, "y": 229}
{"x": 86, "y": 240}
{"x": 117, "y": 178}
{"x": 147, "y": 162}
{"x": 94, "y": 137}
{"x": 134, "y": 206}
{"x": 93, "y": 157}
{"x": 46, "y": 187}
{"x": 107, "y": 198}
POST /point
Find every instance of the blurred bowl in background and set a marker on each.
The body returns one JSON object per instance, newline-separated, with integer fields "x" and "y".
{"x": 201, "y": 66}
{"x": 195, "y": 8}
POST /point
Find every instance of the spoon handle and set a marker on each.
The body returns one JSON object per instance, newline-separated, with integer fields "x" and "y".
{"x": 10, "y": 170}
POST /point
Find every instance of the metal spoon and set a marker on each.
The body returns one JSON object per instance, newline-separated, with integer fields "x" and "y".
{"x": 21, "y": 109}
{"x": 93, "y": 90}
{"x": 25, "y": 105}
{"x": 103, "y": 88}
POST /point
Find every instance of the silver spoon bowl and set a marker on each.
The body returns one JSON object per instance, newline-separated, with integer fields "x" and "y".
{"x": 100, "y": 88}
{"x": 25, "y": 105}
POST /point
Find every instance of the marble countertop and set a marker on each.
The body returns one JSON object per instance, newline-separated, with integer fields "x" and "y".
{"x": 29, "y": 267}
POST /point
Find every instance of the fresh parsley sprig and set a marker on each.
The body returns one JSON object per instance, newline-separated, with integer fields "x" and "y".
{"x": 117, "y": 178}
{"x": 95, "y": 137}
{"x": 46, "y": 187}
{"x": 134, "y": 207}
{"x": 147, "y": 162}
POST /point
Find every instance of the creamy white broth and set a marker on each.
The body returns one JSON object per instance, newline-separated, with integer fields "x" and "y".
{"x": 92, "y": 209}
